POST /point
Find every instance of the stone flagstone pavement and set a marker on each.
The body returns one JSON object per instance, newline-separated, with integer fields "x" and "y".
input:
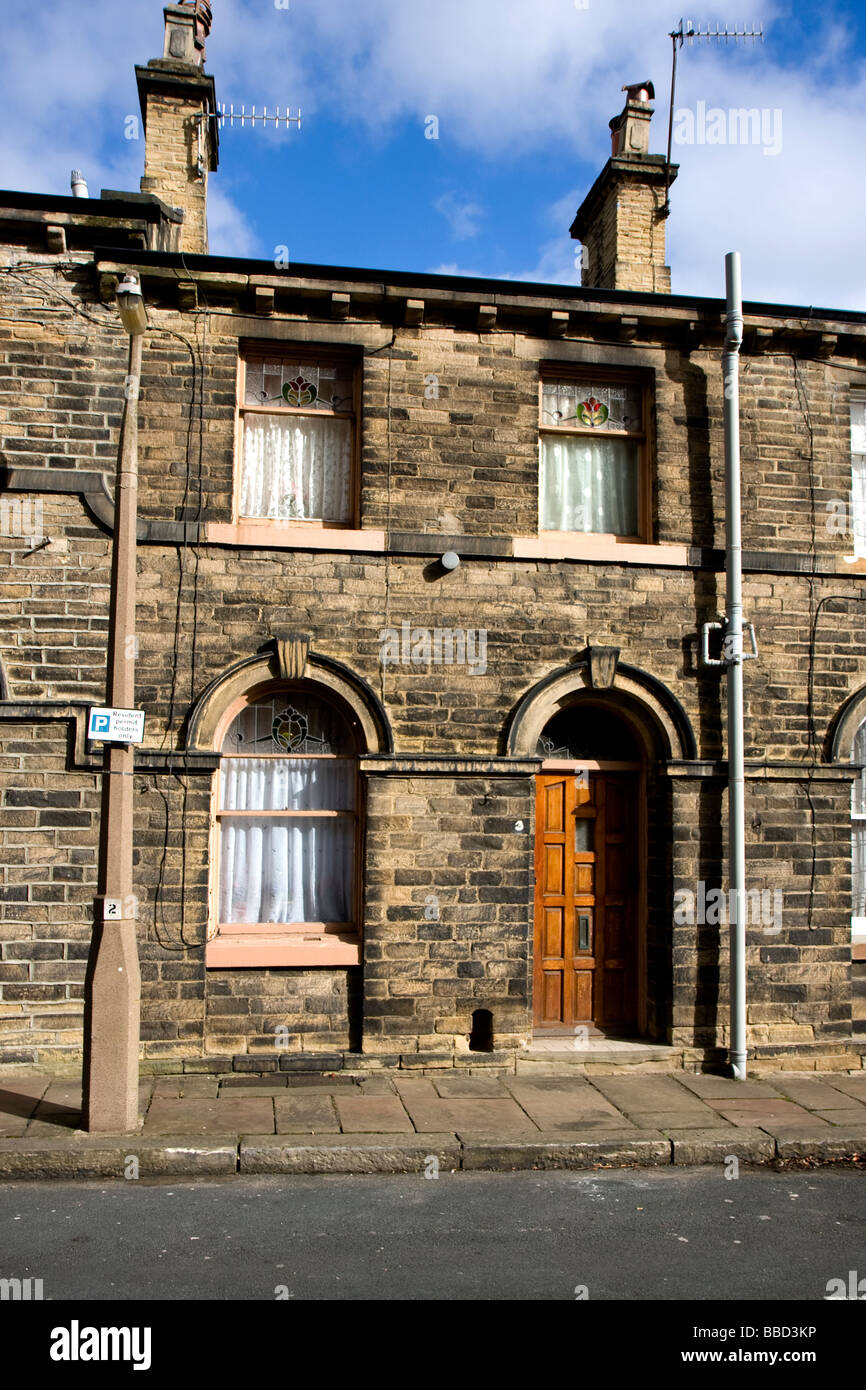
{"x": 401, "y": 1121}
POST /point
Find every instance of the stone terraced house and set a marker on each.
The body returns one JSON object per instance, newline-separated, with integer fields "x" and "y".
{"x": 432, "y": 768}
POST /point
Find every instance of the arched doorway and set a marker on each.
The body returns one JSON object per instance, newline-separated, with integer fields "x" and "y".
{"x": 590, "y": 879}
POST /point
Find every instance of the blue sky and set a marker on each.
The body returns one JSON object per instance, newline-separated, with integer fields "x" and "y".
{"x": 522, "y": 94}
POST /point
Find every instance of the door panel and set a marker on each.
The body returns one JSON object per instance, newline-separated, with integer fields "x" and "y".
{"x": 554, "y": 869}
{"x": 552, "y": 983}
{"x": 554, "y": 939}
{"x": 587, "y": 880}
{"x": 555, "y": 810}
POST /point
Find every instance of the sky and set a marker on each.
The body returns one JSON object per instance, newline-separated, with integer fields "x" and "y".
{"x": 521, "y": 92}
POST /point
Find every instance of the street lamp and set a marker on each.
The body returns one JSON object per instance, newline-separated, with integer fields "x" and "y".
{"x": 112, "y": 988}
{"x": 130, "y": 302}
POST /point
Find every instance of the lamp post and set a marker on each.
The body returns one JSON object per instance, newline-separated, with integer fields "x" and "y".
{"x": 112, "y": 992}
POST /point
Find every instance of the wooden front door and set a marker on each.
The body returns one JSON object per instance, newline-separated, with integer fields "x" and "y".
{"x": 587, "y": 877}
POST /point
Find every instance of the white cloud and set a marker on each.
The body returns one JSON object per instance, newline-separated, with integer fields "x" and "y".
{"x": 461, "y": 215}
{"x": 229, "y": 229}
{"x": 796, "y": 216}
{"x": 66, "y": 94}
{"x": 504, "y": 81}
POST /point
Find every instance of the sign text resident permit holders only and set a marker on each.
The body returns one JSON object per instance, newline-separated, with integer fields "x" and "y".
{"x": 116, "y": 725}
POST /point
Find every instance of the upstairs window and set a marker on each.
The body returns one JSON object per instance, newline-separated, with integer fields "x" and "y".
{"x": 858, "y": 472}
{"x": 298, "y": 439}
{"x": 594, "y": 474}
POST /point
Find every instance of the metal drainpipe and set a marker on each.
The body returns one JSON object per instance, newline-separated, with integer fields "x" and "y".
{"x": 734, "y": 661}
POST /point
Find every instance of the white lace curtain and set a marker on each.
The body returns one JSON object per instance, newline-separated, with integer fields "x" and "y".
{"x": 296, "y": 469}
{"x": 589, "y": 485}
{"x": 282, "y": 869}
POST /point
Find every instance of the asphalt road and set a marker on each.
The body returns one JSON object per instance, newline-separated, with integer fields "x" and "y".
{"x": 620, "y": 1235}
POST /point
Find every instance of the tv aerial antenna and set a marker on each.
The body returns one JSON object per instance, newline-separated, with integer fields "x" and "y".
{"x": 688, "y": 33}
{"x": 230, "y": 115}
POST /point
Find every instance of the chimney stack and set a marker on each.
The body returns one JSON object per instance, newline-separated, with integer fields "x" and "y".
{"x": 621, "y": 221}
{"x": 178, "y": 102}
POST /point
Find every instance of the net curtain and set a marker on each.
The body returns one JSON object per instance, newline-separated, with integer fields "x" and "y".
{"x": 281, "y": 869}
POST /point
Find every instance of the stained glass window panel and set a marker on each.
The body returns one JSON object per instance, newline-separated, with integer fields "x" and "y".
{"x": 314, "y": 386}
{"x": 615, "y": 406}
{"x": 292, "y": 724}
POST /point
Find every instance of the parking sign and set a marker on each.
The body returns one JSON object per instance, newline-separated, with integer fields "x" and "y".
{"x": 116, "y": 725}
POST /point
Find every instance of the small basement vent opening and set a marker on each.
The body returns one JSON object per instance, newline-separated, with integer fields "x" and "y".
{"x": 481, "y": 1037}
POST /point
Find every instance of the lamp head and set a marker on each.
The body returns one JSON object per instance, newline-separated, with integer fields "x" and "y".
{"x": 130, "y": 303}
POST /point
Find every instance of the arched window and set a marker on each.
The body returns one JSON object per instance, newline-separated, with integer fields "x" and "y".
{"x": 286, "y": 834}
{"x": 584, "y": 731}
{"x": 858, "y": 838}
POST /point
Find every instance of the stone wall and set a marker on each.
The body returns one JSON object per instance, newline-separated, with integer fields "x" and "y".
{"x": 460, "y": 463}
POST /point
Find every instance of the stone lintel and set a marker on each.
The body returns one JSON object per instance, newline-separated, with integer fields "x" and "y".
{"x": 433, "y": 765}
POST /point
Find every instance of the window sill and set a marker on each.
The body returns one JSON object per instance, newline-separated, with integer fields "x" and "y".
{"x": 562, "y": 545}
{"x": 289, "y": 535}
{"x": 282, "y": 950}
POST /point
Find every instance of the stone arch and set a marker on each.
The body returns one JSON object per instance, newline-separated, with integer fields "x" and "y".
{"x": 653, "y": 713}
{"x": 839, "y": 743}
{"x": 287, "y": 662}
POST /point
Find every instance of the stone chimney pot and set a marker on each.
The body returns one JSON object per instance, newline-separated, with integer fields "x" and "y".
{"x": 187, "y": 26}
